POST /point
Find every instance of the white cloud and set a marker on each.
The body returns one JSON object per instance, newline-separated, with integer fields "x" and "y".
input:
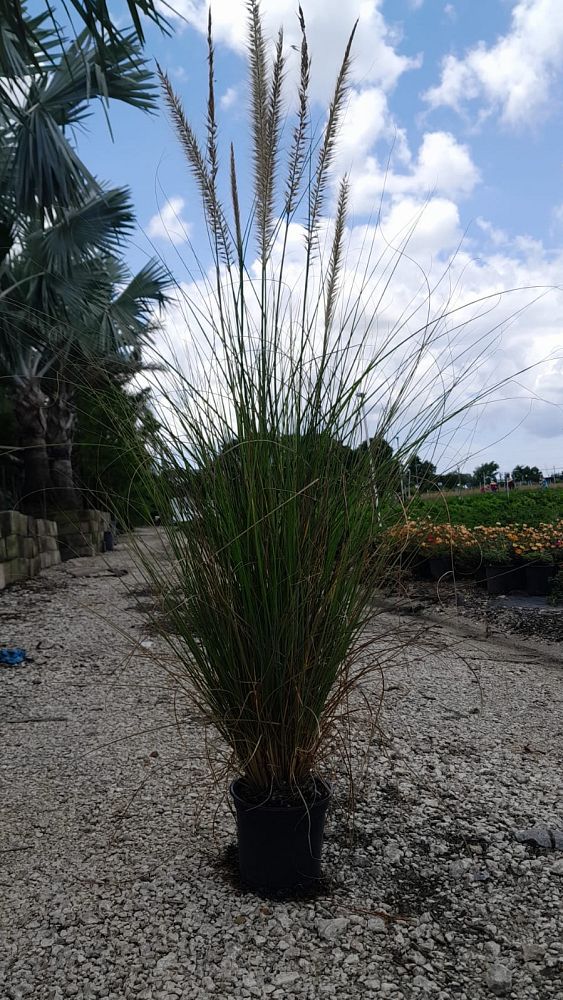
{"x": 450, "y": 11}
{"x": 445, "y": 164}
{"x": 557, "y": 215}
{"x": 366, "y": 121}
{"x": 229, "y": 98}
{"x": 432, "y": 227}
{"x": 497, "y": 236}
{"x": 515, "y": 76}
{"x": 423, "y": 188}
{"x": 494, "y": 336}
{"x": 168, "y": 224}
{"x": 443, "y": 167}
{"x": 329, "y": 22}
{"x": 179, "y": 73}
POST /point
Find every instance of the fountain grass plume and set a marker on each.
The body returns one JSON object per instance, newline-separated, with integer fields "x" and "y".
{"x": 275, "y": 520}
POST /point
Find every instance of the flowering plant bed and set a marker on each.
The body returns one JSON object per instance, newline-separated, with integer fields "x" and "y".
{"x": 492, "y": 551}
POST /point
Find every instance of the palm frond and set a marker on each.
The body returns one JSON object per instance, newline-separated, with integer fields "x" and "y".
{"x": 24, "y": 41}
{"x": 47, "y": 171}
{"x": 97, "y": 18}
{"x": 29, "y": 40}
{"x": 66, "y": 89}
{"x": 99, "y": 224}
{"x": 146, "y": 289}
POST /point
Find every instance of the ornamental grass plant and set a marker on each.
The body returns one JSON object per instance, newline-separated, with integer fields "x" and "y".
{"x": 275, "y": 519}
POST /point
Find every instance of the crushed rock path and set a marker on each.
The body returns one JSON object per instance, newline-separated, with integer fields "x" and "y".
{"x": 116, "y": 875}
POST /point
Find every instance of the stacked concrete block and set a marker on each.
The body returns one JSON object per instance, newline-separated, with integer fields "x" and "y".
{"x": 30, "y": 544}
{"x": 81, "y": 533}
{"x": 27, "y": 545}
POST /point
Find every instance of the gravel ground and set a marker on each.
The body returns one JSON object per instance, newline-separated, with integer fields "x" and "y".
{"x": 517, "y": 615}
{"x": 116, "y": 856}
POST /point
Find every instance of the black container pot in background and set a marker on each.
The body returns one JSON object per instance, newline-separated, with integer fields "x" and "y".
{"x": 538, "y": 576}
{"x": 439, "y": 566}
{"x": 280, "y": 846}
{"x": 518, "y": 578}
{"x": 420, "y": 568}
{"x": 502, "y": 579}
{"x": 108, "y": 541}
{"x": 498, "y": 577}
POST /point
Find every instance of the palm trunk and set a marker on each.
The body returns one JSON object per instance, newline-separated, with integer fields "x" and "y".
{"x": 30, "y": 412}
{"x": 61, "y": 422}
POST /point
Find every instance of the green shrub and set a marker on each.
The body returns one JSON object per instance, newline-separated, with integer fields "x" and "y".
{"x": 527, "y": 507}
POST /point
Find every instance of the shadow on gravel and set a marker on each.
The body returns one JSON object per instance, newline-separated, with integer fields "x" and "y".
{"x": 226, "y": 865}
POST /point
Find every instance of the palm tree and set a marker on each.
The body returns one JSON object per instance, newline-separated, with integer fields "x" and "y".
{"x": 43, "y": 277}
{"x": 56, "y": 221}
{"x": 106, "y": 340}
{"x": 43, "y": 102}
{"x": 72, "y": 306}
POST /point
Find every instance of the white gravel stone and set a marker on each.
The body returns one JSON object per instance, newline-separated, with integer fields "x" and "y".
{"x": 499, "y": 979}
{"x": 460, "y": 867}
{"x": 531, "y": 952}
{"x": 332, "y": 930}
{"x": 393, "y": 852}
{"x": 377, "y": 924}
{"x": 114, "y": 836}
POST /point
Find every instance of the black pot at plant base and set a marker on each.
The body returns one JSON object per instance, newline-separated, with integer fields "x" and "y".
{"x": 538, "y": 577}
{"x": 439, "y": 566}
{"x": 280, "y": 845}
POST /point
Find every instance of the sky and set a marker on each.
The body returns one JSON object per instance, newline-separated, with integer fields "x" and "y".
{"x": 455, "y": 114}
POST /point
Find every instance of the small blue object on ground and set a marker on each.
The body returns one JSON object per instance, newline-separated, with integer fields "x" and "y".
{"x": 12, "y": 657}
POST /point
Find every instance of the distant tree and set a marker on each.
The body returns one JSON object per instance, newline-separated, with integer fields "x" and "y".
{"x": 115, "y": 437}
{"x": 450, "y": 480}
{"x": 485, "y": 471}
{"x": 381, "y": 451}
{"x": 423, "y": 472}
{"x": 527, "y": 474}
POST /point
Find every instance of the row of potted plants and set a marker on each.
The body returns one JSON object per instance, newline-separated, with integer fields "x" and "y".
{"x": 509, "y": 557}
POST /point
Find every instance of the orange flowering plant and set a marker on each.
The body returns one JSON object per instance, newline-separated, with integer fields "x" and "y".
{"x": 483, "y": 544}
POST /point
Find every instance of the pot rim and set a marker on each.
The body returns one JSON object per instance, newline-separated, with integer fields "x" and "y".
{"x": 302, "y": 807}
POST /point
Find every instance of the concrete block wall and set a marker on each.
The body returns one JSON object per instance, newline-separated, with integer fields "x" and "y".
{"x": 81, "y": 532}
{"x": 30, "y": 544}
{"x": 27, "y": 545}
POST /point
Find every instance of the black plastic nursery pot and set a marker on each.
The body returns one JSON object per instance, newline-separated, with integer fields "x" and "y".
{"x": 420, "y": 568}
{"x": 280, "y": 846}
{"x": 439, "y": 566}
{"x": 502, "y": 579}
{"x": 538, "y": 576}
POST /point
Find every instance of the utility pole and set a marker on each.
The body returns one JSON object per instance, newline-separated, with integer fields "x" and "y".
{"x": 360, "y": 396}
